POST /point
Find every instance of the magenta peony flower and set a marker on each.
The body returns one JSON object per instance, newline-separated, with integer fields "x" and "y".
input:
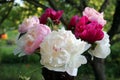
{"x": 89, "y": 31}
{"x": 50, "y": 13}
{"x": 30, "y": 41}
{"x": 73, "y": 22}
{"x": 93, "y": 15}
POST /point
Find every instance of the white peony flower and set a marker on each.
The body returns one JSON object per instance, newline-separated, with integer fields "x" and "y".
{"x": 61, "y": 51}
{"x": 102, "y": 49}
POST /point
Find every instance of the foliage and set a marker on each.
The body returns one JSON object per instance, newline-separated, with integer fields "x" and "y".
{"x": 17, "y": 15}
{"x": 113, "y": 61}
{"x": 20, "y": 72}
{"x": 20, "y": 12}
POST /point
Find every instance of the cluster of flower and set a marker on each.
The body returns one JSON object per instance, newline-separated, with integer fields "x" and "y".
{"x": 62, "y": 50}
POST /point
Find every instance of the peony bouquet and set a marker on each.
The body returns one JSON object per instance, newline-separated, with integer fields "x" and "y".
{"x": 89, "y": 28}
{"x": 62, "y": 50}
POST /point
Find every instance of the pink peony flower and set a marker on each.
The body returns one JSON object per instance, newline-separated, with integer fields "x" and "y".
{"x": 93, "y": 15}
{"x": 89, "y": 31}
{"x": 73, "y": 22}
{"x": 50, "y": 13}
{"x": 28, "y": 23}
{"x": 30, "y": 41}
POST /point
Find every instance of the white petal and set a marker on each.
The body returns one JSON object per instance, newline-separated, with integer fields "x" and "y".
{"x": 72, "y": 72}
{"x": 21, "y": 54}
{"x": 102, "y": 49}
{"x": 77, "y": 60}
{"x": 17, "y": 51}
{"x": 74, "y": 64}
{"x": 61, "y": 51}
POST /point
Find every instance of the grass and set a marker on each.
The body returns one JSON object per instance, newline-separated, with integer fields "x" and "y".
{"x": 33, "y": 71}
{"x": 24, "y": 71}
{"x": 20, "y": 71}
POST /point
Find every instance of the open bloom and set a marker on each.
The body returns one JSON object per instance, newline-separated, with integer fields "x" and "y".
{"x": 31, "y": 40}
{"x": 89, "y": 31}
{"x": 61, "y": 51}
{"x": 102, "y": 49}
{"x": 52, "y": 14}
{"x": 73, "y": 22}
{"x": 28, "y": 23}
{"x": 93, "y": 15}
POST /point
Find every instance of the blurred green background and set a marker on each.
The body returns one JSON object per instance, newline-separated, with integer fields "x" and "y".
{"x": 13, "y": 12}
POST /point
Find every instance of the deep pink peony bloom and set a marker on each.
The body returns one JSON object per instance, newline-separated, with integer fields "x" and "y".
{"x": 89, "y": 31}
{"x": 94, "y": 15}
{"x": 73, "y": 22}
{"x": 52, "y": 14}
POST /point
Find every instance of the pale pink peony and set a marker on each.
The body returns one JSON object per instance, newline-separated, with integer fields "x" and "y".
{"x": 93, "y": 15}
{"x": 30, "y": 41}
{"x": 28, "y": 23}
